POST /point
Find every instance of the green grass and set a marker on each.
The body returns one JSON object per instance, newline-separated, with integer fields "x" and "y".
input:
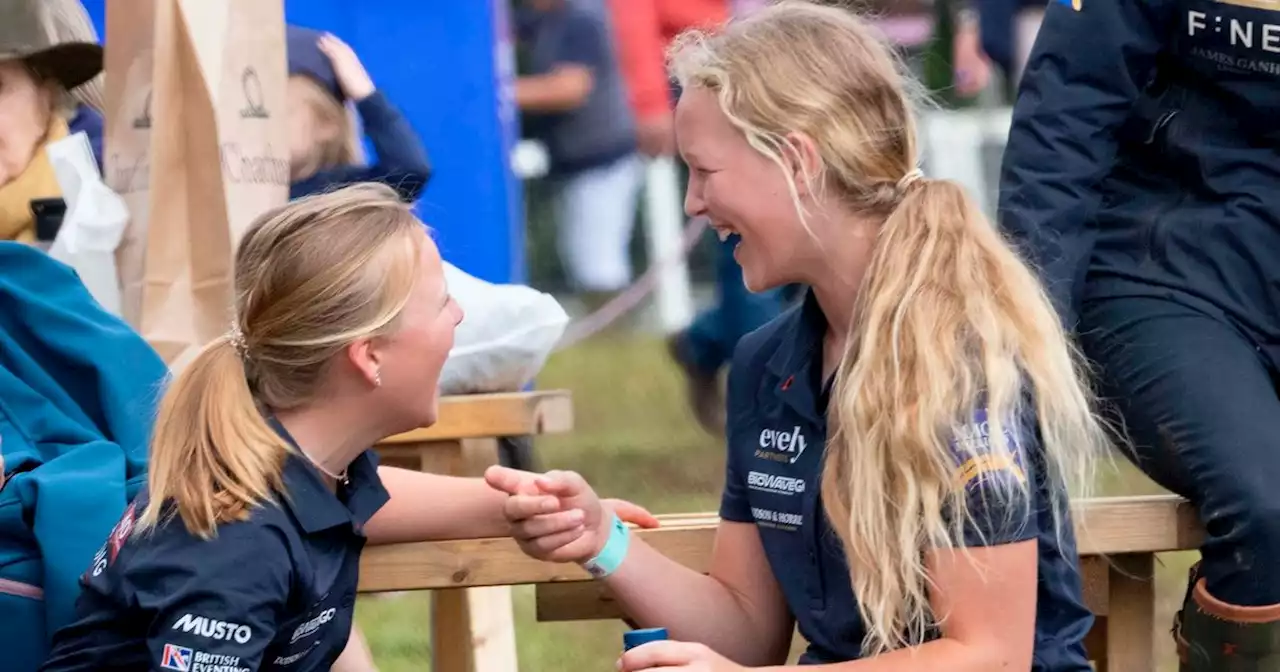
{"x": 635, "y": 438}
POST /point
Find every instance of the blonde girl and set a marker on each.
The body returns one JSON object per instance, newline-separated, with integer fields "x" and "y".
{"x": 332, "y": 102}
{"x": 243, "y": 550}
{"x": 900, "y": 445}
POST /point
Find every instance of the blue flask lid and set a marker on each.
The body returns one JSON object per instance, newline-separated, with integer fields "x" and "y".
{"x": 634, "y": 638}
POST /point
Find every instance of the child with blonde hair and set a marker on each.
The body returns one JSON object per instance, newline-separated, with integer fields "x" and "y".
{"x": 333, "y": 102}
{"x": 243, "y": 550}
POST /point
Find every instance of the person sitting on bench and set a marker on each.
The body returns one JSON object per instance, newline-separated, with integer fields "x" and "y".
{"x": 243, "y": 549}
{"x": 1142, "y": 176}
{"x": 901, "y": 445}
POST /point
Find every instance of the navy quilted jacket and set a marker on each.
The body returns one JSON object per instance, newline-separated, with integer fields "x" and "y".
{"x": 1144, "y": 157}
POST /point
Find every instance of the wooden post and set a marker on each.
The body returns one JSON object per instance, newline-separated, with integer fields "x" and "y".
{"x": 1095, "y": 643}
{"x": 472, "y": 629}
{"x": 1131, "y": 622}
{"x": 1095, "y": 573}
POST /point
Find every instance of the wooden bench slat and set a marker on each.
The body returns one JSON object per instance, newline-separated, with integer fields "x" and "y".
{"x": 474, "y": 416}
{"x": 1105, "y": 526}
{"x": 591, "y": 601}
{"x": 1147, "y": 524}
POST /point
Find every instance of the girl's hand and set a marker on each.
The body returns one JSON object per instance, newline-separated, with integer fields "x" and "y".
{"x": 352, "y": 77}
{"x": 558, "y": 517}
{"x": 675, "y": 656}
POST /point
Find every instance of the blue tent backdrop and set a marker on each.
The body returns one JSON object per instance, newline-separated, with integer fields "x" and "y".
{"x": 447, "y": 65}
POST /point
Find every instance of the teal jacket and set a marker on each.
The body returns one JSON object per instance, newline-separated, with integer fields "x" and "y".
{"x": 78, "y": 393}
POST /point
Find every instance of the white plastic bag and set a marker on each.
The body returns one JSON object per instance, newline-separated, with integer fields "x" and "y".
{"x": 94, "y": 222}
{"x": 505, "y": 337}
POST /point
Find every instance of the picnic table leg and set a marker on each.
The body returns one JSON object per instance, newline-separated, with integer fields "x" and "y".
{"x": 441, "y": 457}
{"x": 493, "y": 629}
{"x": 1131, "y": 621}
{"x": 451, "y": 649}
{"x": 1095, "y": 573}
{"x": 473, "y": 630}
{"x": 1095, "y": 643}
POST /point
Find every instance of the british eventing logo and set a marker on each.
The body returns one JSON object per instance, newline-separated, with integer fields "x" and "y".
{"x": 176, "y": 658}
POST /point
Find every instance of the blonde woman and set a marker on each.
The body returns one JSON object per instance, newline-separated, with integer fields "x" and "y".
{"x": 243, "y": 550}
{"x": 900, "y": 445}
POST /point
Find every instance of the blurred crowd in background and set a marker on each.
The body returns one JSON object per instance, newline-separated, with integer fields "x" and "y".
{"x": 592, "y": 91}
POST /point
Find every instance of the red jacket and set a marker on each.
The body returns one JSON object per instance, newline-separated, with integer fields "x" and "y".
{"x": 643, "y": 30}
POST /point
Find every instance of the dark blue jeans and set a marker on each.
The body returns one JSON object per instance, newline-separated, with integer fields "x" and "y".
{"x": 1198, "y": 396}
{"x": 709, "y": 341}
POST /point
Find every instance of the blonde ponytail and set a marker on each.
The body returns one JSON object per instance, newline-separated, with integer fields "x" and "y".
{"x": 949, "y": 320}
{"x": 210, "y": 437}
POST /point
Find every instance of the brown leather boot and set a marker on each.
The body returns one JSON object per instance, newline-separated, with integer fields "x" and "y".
{"x": 1213, "y": 636}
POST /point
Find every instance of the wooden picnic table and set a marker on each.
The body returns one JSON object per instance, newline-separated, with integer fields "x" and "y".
{"x": 1118, "y": 538}
{"x": 473, "y": 628}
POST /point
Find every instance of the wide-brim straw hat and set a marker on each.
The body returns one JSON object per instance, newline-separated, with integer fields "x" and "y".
{"x": 25, "y": 36}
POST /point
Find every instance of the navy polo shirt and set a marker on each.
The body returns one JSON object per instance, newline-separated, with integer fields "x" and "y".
{"x": 274, "y": 592}
{"x": 777, "y": 433}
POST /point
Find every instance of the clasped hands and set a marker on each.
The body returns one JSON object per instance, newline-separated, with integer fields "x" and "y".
{"x": 557, "y": 517}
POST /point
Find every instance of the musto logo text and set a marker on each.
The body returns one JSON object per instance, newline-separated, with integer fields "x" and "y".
{"x": 213, "y": 629}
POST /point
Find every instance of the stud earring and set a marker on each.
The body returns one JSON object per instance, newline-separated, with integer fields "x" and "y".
{"x": 377, "y": 379}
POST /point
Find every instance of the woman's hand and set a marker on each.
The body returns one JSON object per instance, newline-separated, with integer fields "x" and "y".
{"x": 352, "y": 77}
{"x": 671, "y": 655}
{"x": 558, "y": 517}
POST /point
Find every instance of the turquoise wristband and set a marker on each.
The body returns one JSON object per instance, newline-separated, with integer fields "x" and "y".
{"x": 613, "y": 553}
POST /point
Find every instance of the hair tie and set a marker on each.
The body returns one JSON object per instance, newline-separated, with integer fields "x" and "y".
{"x": 910, "y": 178}
{"x": 236, "y": 338}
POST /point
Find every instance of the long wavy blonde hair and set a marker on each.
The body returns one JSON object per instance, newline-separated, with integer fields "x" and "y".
{"x": 311, "y": 277}
{"x": 949, "y": 319}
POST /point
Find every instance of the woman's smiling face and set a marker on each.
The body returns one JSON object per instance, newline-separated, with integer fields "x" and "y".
{"x": 742, "y": 192}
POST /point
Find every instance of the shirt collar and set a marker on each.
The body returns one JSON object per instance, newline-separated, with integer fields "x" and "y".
{"x": 317, "y": 508}
{"x": 797, "y": 362}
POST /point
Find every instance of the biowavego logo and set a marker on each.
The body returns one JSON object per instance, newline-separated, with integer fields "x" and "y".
{"x": 776, "y": 485}
{"x": 313, "y": 625}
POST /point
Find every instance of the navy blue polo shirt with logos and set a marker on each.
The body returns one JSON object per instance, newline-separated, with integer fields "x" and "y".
{"x": 275, "y": 592}
{"x": 777, "y": 432}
